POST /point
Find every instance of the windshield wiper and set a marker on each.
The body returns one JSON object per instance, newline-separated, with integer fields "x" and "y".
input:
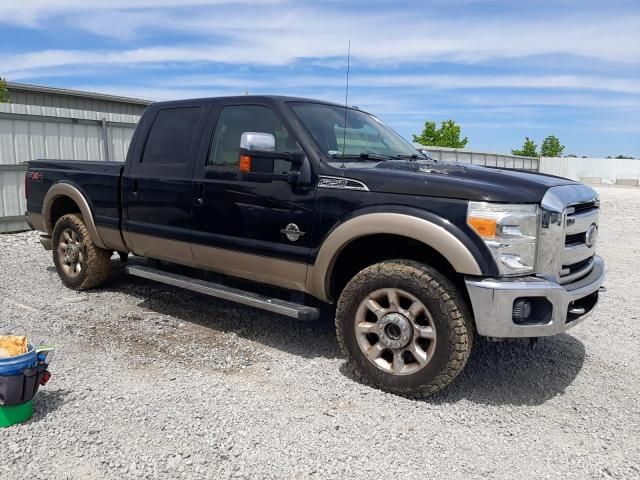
{"x": 415, "y": 156}
{"x": 364, "y": 156}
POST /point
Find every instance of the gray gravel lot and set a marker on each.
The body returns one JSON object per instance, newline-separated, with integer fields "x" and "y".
{"x": 154, "y": 382}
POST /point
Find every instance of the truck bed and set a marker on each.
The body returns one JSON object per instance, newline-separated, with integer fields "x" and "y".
{"x": 99, "y": 181}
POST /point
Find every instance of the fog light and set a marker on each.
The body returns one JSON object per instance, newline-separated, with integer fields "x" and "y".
{"x": 521, "y": 310}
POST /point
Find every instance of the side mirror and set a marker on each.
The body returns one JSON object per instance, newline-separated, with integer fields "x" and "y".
{"x": 258, "y": 156}
{"x": 258, "y": 141}
{"x": 258, "y": 166}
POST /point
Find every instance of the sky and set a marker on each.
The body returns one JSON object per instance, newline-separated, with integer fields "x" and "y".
{"x": 503, "y": 69}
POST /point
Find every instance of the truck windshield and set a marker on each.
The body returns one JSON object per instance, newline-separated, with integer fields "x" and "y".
{"x": 364, "y": 136}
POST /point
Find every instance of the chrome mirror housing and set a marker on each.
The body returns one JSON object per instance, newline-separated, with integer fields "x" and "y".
{"x": 258, "y": 141}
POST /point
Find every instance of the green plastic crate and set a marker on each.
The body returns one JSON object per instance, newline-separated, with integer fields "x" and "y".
{"x": 15, "y": 414}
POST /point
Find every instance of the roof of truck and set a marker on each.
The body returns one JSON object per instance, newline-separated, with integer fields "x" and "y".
{"x": 245, "y": 98}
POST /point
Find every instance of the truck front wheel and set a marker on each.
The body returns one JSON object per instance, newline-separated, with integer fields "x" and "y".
{"x": 404, "y": 327}
{"x": 79, "y": 262}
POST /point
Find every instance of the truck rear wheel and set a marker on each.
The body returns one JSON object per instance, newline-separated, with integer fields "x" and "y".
{"x": 404, "y": 327}
{"x": 80, "y": 263}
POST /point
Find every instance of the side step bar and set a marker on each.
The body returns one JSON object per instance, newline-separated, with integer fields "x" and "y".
{"x": 289, "y": 309}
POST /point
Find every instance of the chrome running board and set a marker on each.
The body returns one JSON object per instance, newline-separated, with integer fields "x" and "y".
{"x": 275, "y": 305}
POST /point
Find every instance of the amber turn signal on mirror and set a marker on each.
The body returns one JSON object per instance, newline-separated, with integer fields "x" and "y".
{"x": 245, "y": 164}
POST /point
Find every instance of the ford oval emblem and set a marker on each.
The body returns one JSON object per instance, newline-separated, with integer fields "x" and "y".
{"x": 591, "y": 236}
{"x": 292, "y": 232}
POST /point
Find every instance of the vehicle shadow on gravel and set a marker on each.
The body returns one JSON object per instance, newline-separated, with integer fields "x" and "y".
{"x": 504, "y": 373}
{"x": 514, "y": 373}
{"x": 306, "y": 339}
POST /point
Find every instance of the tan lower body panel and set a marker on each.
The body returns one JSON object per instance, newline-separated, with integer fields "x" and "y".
{"x": 112, "y": 238}
{"x": 272, "y": 271}
{"x": 160, "y": 248}
{"x": 37, "y": 220}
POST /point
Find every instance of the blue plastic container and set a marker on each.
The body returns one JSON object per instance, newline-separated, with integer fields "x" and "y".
{"x": 15, "y": 365}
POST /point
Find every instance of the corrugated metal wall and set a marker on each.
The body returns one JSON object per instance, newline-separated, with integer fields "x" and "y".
{"x": 21, "y": 96}
{"x": 28, "y": 132}
{"x": 593, "y": 170}
{"x": 485, "y": 159}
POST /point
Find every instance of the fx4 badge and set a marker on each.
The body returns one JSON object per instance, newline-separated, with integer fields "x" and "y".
{"x": 35, "y": 176}
{"x": 292, "y": 232}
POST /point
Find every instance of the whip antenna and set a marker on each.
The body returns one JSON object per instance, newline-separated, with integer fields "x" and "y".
{"x": 346, "y": 103}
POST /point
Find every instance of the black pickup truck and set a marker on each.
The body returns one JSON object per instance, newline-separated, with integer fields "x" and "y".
{"x": 326, "y": 208}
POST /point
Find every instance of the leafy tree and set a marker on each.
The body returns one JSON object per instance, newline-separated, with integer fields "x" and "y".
{"x": 551, "y": 147}
{"x": 622, "y": 156}
{"x": 448, "y": 135}
{"x": 4, "y": 92}
{"x": 528, "y": 149}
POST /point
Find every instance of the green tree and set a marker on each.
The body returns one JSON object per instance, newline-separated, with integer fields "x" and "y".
{"x": 622, "y": 156}
{"x": 4, "y": 92}
{"x": 551, "y": 147}
{"x": 448, "y": 135}
{"x": 528, "y": 149}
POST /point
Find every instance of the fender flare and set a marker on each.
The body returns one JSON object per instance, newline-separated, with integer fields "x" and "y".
{"x": 67, "y": 190}
{"x": 424, "y": 231}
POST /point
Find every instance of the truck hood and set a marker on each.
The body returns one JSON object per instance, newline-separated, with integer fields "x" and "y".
{"x": 454, "y": 180}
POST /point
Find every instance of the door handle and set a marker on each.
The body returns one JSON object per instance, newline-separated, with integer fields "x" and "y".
{"x": 134, "y": 188}
{"x": 198, "y": 195}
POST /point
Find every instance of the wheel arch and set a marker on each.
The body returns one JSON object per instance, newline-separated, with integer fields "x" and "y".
{"x": 60, "y": 200}
{"x": 446, "y": 249}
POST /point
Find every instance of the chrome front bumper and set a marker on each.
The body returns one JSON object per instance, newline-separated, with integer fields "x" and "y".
{"x": 492, "y": 302}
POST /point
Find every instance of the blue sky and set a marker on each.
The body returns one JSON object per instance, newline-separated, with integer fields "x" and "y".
{"x": 502, "y": 69}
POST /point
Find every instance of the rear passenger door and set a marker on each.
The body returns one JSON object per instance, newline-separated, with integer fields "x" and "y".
{"x": 156, "y": 185}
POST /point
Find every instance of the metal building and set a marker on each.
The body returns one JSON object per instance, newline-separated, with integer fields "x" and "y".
{"x": 25, "y": 94}
{"x": 45, "y": 122}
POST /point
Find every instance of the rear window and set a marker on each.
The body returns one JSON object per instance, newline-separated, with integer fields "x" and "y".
{"x": 171, "y": 136}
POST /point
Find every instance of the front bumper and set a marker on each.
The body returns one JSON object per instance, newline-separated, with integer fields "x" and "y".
{"x": 567, "y": 305}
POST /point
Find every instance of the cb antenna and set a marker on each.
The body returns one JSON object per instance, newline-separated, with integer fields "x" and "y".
{"x": 346, "y": 103}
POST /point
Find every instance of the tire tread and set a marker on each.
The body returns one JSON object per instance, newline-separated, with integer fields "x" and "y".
{"x": 98, "y": 259}
{"x": 452, "y": 304}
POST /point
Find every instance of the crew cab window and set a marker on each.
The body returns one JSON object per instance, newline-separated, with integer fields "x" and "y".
{"x": 234, "y": 120}
{"x": 171, "y": 136}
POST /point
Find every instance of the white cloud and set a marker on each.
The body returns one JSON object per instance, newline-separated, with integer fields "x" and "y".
{"x": 257, "y": 34}
{"x": 31, "y": 12}
{"x": 445, "y": 82}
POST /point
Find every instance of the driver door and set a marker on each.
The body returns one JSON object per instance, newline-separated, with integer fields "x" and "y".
{"x": 239, "y": 224}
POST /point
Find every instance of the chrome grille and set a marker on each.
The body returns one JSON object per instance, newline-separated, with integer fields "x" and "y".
{"x": 577, "y": 271}
{"x": 578, "y": 255}
{"x": 567, "y": 214}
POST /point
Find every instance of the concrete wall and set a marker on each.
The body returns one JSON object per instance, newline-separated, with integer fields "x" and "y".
{"x": 30, "y": 132}
{"x": 594, "y": 170}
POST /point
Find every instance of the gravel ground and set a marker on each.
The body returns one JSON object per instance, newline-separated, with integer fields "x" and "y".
{"x": 154, "y": 382}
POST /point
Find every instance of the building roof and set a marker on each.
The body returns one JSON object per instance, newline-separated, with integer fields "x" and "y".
{"x": 76, "y": 93}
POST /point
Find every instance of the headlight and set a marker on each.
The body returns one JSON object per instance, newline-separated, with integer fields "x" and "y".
{"x": 510, "y": 231}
